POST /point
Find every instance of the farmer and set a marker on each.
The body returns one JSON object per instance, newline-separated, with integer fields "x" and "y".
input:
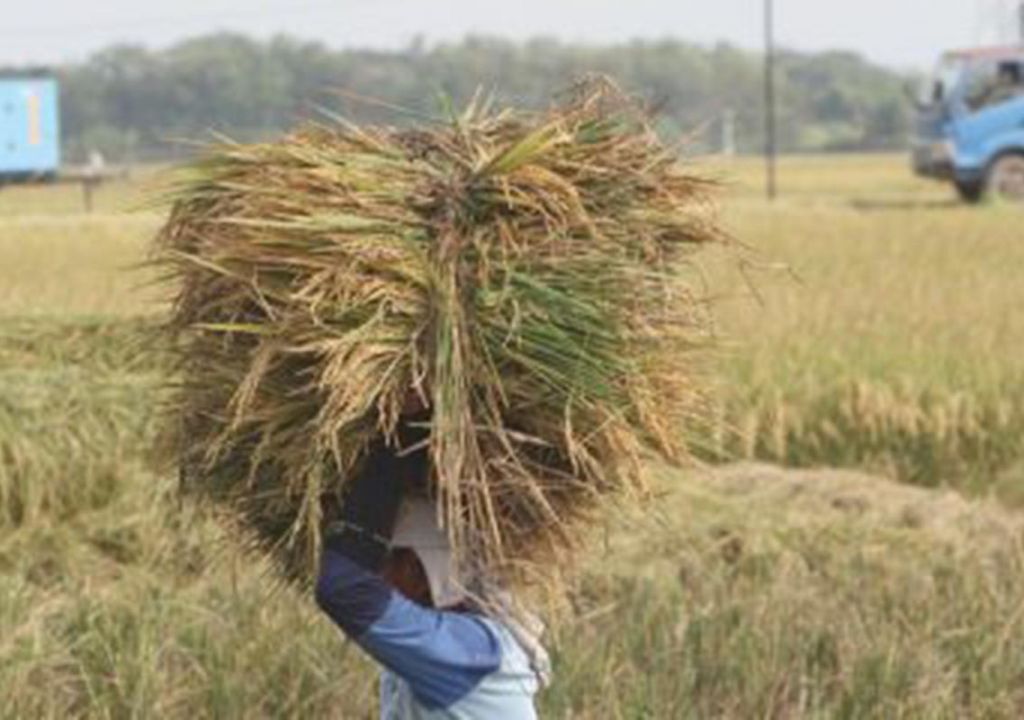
{"x": 387, "y": 580}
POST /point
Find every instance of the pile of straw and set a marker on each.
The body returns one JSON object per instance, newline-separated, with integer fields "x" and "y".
{"x": 522, "y": 273}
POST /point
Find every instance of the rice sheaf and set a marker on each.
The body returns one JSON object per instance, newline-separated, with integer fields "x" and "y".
{"x": 528, "y": 276}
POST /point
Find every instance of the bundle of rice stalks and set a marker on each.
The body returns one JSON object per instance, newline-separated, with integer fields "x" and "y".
{"x": 523, "y": 274}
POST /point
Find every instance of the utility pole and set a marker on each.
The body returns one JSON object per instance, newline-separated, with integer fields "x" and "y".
{"x": 770, "y": 146}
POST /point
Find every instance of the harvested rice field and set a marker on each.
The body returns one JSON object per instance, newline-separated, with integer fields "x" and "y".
{"x": 854, "y": 547}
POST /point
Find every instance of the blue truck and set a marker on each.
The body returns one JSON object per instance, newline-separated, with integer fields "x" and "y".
{"x": 29, "y": 127}
{"x": 970, "y": 123}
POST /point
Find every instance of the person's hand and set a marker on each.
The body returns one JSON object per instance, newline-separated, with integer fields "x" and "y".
{"x": 369, "y": 508}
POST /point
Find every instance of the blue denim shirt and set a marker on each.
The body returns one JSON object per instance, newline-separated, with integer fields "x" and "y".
{"x": 438, "y": 664}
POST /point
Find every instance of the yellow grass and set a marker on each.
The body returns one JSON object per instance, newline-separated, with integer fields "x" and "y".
{"x": 74, "y": 265}
{"x": 902, "y": 319}
{"x": 895, "y": 276}
{"x": 748, "y": 593}
{"x": 896, "y": 345}
{"x": 58, "y": 260}
{"x": 127, "y": 194}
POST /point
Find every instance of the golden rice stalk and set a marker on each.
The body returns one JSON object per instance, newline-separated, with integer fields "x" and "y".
{"x": 526, "y": 273}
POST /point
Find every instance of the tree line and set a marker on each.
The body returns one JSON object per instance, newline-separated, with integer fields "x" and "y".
{"x": 131, "y": 103}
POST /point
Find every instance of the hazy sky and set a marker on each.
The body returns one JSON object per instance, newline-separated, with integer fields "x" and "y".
{"x": 906, "y": 33}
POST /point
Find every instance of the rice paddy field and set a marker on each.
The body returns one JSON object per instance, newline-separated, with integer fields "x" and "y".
{"x": 852, "y": 548}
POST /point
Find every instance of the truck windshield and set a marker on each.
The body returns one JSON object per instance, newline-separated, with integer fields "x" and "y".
{"x": 993, "y": 82}
{"x": 944, "y": 81}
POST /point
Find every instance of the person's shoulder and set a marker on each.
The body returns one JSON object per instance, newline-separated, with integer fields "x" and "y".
{"x": 514, "y": 656}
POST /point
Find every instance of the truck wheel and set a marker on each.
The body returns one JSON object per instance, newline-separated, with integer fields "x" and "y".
{"x": 970, "y": 191}
{"x": 1005, "y": 179}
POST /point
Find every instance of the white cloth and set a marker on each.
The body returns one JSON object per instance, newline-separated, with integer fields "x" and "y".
{"x": 417, "y": 529}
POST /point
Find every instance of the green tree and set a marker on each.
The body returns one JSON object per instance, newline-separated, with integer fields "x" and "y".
{"x": 132, "y": 103}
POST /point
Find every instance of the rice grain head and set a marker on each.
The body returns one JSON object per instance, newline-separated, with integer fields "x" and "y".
{"x": 530, "y": 274}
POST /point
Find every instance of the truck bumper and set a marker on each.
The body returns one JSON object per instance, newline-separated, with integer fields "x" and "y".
{"x": 933, "y": 160}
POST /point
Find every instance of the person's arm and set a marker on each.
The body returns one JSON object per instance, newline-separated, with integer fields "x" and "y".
{"x": 355, "y": 547}
{"x": 363, "y": 532}
{"x": 441, "y": 655}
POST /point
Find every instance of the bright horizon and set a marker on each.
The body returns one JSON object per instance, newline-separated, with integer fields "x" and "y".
{"x": 897, "y": 33}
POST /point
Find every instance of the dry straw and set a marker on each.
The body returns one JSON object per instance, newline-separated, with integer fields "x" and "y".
{"x": 524, "y": 273}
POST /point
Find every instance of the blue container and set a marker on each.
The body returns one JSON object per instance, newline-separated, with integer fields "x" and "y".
{"x": 29, "y": 127}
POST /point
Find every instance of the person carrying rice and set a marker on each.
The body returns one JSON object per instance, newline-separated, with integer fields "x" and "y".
{"x": 526, "y": 276}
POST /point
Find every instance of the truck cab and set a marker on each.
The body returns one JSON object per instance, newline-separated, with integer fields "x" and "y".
{"x": 970, "y": 123}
